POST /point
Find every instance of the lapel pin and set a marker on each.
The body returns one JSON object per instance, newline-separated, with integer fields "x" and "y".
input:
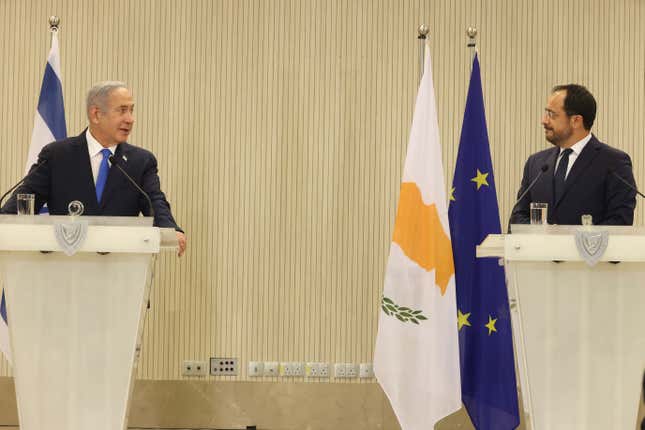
{"x": 124, "y": 158}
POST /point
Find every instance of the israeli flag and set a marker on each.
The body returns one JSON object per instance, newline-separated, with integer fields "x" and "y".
{"x": 49, "y": 125}
{"x": 49, "y": 122}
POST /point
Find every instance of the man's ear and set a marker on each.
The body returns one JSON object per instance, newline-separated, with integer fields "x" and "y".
{"x": 578, "y": 121}
{"x": 94, "y": 114}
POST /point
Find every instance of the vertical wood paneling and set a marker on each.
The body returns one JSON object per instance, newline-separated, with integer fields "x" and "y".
{"x": 281, "y": 128}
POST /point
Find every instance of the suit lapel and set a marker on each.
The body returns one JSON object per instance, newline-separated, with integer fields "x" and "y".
{"x": 589, "y": 152}
{"x": 544, "y": 187}
{"x": 115, "y": 177}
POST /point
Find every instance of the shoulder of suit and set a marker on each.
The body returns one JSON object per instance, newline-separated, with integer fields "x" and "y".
{"x": 135, "y": 151}
{"x": 543, "y": 155}
{"x": 63, "y": 144}
{"x": 608, "y": 150}
{"x": 80, "y": 141}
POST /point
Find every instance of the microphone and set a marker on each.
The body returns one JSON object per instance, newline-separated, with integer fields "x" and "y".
{"x": 543, "y": 170}
{"x": 31, "y": 171}
{"x": 633, "y": 188}
{"x": 114, "y": 161}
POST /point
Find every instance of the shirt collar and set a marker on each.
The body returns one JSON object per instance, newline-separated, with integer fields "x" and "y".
{"x": 579, "y": 145}
{"x": 93, "y": 145}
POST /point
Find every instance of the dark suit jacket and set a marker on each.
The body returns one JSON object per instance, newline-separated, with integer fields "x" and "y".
{"x": 65, "y": 174}
{"x": 591, "y": 187}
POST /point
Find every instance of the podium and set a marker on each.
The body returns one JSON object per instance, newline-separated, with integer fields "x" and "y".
{"x": 75, "y": 322}
{"x": 579, "y": 331}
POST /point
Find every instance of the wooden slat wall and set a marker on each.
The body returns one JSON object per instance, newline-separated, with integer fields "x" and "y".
{"x": 281, "y": 126}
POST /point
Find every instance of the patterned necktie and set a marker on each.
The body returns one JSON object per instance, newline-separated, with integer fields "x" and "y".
{"x": 561, "y": 174}
{"x": 104, "y": 169}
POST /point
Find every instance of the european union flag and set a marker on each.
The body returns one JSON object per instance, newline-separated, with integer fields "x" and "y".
{"x": 4, "y": 329}
{"x": 3, "y": 309}
{"x": 488, "y": 386}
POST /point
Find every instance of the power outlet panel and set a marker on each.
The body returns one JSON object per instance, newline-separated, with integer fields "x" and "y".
{"x": 271, "y": 368}
{"x": 292, "y": 369}
{"x": 194, "y": 368}
{"x": 223, "y": 366}
{"x": 339, "y": 370}
{"x": 317, "y": 370}
{"x": 255, "y": 369}
{"x": 345, "y": 370}
{"x": 366, "y": 370}
{"x": 351, "y": 370}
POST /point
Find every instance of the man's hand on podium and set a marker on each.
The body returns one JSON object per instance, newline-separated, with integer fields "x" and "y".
{"x": 181, "y": 239}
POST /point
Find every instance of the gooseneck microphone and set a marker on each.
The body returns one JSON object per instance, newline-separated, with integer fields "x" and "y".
{"x": 543, "y": 170}
{"x": 624, "y": 181}
{"x": 31, "y": 171}
{"x": 114, "y": 161}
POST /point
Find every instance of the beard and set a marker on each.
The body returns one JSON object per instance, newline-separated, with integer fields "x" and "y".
{"x": 555, "y": 137}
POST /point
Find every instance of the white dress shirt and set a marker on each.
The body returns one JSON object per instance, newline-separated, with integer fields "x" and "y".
{"x": 94, "y": 148}
{"x": 577, "y": 149}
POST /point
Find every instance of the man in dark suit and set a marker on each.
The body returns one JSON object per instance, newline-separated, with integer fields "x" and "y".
{"x": 78, "y": 168}
{"x": 579, "y": 175}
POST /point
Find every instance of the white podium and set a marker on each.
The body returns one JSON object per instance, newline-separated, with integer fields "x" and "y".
{"x": 579, "y": 331}
{"x": 75, "y": 322}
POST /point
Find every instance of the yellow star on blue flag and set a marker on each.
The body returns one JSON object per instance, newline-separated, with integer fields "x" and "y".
{"x": 491, "y": 325}
{"x": 462, "y": 319}
{"x": 480, "y": 179}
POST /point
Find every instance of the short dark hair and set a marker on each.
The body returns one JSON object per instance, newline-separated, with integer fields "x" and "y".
{"x": 579, "y": 101}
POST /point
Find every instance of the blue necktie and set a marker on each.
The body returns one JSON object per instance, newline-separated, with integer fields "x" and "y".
{"x": 104, "y": 169}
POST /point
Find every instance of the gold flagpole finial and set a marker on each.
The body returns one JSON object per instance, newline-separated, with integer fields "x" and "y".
{"x": 471, "y": 32}
{"x": 54, "y": 22}
{"x": 423, "y": 31}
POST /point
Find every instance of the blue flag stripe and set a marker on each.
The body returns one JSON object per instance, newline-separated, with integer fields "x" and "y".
{"x": 50, "y": 104}
{"x": 486, "y": 350}
{"x": 3, "y": 309}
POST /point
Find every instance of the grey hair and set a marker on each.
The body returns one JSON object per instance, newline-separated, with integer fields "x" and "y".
{"x": 98, "y": 94}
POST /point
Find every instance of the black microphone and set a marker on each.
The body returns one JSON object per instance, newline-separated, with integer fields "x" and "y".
{"x": 543, "y": 170}
{"x": 31, "y": 171}
{"x": 613, "y": 172}
{"x": 113, "y": 161}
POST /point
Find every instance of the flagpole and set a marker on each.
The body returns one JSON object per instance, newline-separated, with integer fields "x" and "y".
{"x": 422, "y": 35}
{"x": 471, "y": 32}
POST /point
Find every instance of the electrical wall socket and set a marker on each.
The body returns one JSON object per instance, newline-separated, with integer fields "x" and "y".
{"x": 223, "y": 366}
{"x": 298, "y": 368}
{"x": 351, "y": 370}
{"x": 317, "y": 370}
{"x": 339, "y": 370}
{"x": 256, "y": 368}
{"x": 193, "y": 368}
{"x": 271, "y": 368}
{"x": 366, "y": 370}
{"x": 292, "y": 369}
{"x": 345, "y": 370}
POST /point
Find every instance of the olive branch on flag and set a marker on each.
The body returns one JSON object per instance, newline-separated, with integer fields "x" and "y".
{"x": 402, "y": 313}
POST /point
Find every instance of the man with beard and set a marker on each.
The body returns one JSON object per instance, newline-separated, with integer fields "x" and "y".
{"x": 579, "y": 175}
